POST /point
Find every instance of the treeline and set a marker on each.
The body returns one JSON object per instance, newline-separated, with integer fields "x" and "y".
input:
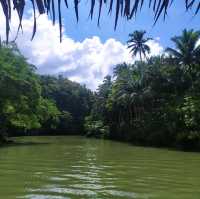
{"x": 34, "y": 104}
{"x": 155, "y": 101}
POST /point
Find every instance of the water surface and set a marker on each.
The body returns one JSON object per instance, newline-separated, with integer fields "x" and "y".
{"x": 80, "y": 168}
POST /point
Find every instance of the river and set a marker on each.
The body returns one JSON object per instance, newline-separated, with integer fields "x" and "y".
{"x": 80, "y": 168}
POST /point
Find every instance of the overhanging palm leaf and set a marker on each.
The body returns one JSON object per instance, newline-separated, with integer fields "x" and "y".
{"x": 123, "y": 8}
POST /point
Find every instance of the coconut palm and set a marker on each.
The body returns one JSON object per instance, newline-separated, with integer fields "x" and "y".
{"x": 186, "y": 50}
{"x": 138, "y": 44}
{"x": 129, "y": 92}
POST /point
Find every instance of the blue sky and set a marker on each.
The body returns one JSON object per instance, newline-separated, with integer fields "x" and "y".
{"x": 176, "y": 21}
{"x": 88, "y": 53}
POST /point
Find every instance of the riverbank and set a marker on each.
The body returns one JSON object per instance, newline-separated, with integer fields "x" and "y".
{"x": 5, "y": 141}
{"x": 12, "y": 141}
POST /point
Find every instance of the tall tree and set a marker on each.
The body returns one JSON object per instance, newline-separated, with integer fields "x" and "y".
{"x": 72, "y": 99}
{"x": 22, "y": 107}
{"x": 138, "y": 44}
{"x": 187, "y": 49}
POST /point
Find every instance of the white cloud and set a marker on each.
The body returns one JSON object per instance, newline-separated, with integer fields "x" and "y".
{"x": 86, "y": 62}
{"x": 198, "y": 43}
{"x": 156, "y": 48}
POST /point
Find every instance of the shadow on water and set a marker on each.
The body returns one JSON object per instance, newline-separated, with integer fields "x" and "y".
{"x": 12, "y": 143}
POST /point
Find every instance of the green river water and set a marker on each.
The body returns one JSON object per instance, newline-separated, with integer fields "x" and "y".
{"x": 80, "y": 168}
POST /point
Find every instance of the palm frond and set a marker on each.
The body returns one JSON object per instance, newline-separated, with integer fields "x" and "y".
{"x": 147, "y": 49}
{"x": 173, "y": 52}
{"x": 137, "y": 44}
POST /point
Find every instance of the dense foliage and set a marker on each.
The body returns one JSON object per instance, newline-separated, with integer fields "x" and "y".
{"x": 72, "y": 100}
{"x": 156, "y": 101}
{"x": 33, "y": 104}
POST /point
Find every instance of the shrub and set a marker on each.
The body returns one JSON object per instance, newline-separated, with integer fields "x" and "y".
{"x": 95, "y": 128}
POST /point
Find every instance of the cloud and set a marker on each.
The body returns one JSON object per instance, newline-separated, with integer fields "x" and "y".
{"x": 87, "y": 62}
{"x": 198, "y": 42}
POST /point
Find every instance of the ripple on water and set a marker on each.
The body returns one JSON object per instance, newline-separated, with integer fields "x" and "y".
{"x": 57, "y": 179}
{"x": 123, "y": 194}
{"x": 92, "y": 186}
{"x": 64, "y": 190}
{"x": 72, "y": 167}
{"x": 83, "y": 177}
{"x": 41, "y": 196}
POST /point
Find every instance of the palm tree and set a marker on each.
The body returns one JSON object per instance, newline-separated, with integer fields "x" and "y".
{"x": 138, "y": 44}
{"x": 120, "y": 68}
{"x": 129, "y": 92}
{"x": 186, "y": 50}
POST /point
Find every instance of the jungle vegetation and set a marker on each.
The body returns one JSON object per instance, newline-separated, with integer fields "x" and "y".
{"x": 34, "y": 104}
{"x": 154, "y": 101}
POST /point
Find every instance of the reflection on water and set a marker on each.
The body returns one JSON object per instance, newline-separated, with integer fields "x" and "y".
{"x": 79, "y": 168}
